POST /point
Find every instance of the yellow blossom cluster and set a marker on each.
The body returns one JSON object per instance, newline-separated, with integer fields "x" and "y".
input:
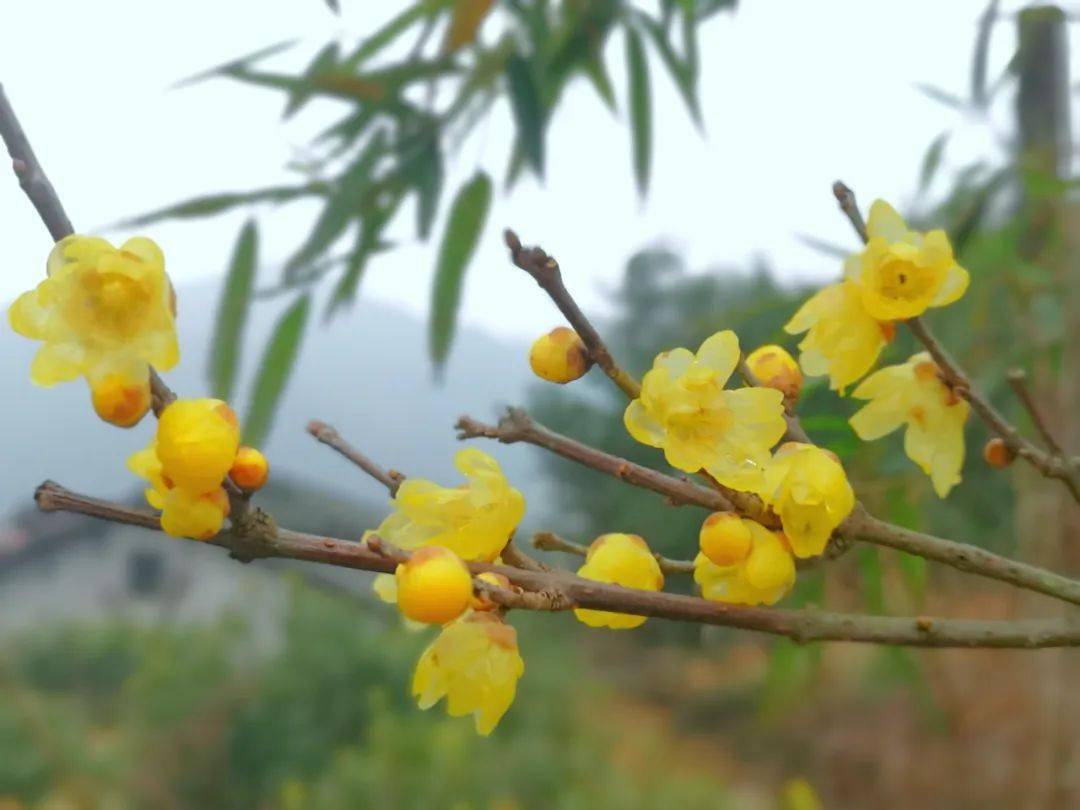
{"x": 196, "y": 446}
{"x": 898, "y": 275}
{"x": 106, "y": 314}
{"x": 741, "y": 562}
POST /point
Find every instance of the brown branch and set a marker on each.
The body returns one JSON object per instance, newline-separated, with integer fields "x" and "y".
{"x": 32, "y": 177}
{"x": 1051, "y": 465}
{"x": 260, "y": 538}
{"x": 332, "y": 439}
{"x": 545, "y": 271}
{"x": 846, "y": 198}
{"x": 1017, "y": 378}
{"x": 516, "y": 426}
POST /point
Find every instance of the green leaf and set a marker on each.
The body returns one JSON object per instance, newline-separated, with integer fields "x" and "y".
{"x": 528, "y": 110}
{"x": 979, "y": 97}
{"x": 823, "y": 246}
{"x": 932, "y": 160}
{"x": 640, "y": 108}
{"x": 597, "y": 71}
{"x": 235, "y": 64}
{"x": 274, "y": 370}
{"x": 421, "y": 162}
{"x": 682, "y": 73}
{"x": 941, "y": 96}
{"x": 464, "y": 225}
{"x": 232, "y": 312}
{"x": 325, "y": 61}
{"x": 342, "y": 207}
{"x": 213, "y": 204}
{"x": 393, "y": 29}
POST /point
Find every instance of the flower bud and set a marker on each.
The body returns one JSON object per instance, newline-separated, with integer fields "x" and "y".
{"x": 434, "y": 586}
{"x": 997, "y": 454}
{"x": 250, "y": 469}
{"x": 559, "y": 356}
{"x": 775, "y": 368}
{"x": 725, "y": 539}
{"x": 119, "y": 400}
{"x": 480, "y": 601}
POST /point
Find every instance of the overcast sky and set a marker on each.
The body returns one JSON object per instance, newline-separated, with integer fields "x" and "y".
{"x": 796, "y": 95}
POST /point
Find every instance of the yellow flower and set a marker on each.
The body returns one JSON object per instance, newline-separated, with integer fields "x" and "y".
{"x": 765, "y": 572}
{"x": 775, "y": 368}
{"x": 183, "y": 513}
{"x": 807, "y": 487}
{"x": 903, "y": 272}
{"x": 913, "y": 393}
{"x": 843, "y": 340}
{"x": 102, "y": 312}
{"x": 433, "y": 586}
{"x": 559, "y": 356}
{"x": 186, "y": 463}
{"x": 619, "y": 559}
{"x": 475, "y": 521}
{"x": 474, "y": 663}
{"x": 685, "y": 410}
{"x": 798, "y": 794}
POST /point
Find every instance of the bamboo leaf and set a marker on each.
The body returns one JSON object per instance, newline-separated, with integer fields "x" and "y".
{"x": 979, "y": 97}
{"x": 528, "y": 110}
{"x": 464, "y": 225}
{"x": 235, "y": 64}
{"x": 277, "y": 364}
{"x": 640, "y": 108}
{"x": 232, "y": 312}
{"x": 932, "y": 160}
{"x": 213, "y": 204}
{"x": 941, "y": 96}
{"x": 342, "y": 207}
{"x": 465, "y": 22}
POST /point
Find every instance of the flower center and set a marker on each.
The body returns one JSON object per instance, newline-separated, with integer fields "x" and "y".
{"x": 899, "y": 277}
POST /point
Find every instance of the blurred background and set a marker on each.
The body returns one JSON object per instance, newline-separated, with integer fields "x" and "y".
{"x": 329, "y": 181}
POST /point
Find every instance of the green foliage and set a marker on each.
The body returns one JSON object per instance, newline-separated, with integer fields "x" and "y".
{"x": 199, "y": 716}
{"x": 232, "y": 313}
{"x": 274, "y": 370}
{"x": 407, "y": 114}
{"x": 463, "y": 228}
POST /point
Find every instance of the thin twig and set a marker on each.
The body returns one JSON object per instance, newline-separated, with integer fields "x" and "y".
{"x": 35, "y": 183}
{"x": 1017, "y": 378}
{"x": 859, "y": 525}
{"x": 329, "y": 436}
{"x": 516, "y": 426}
{"x": 1051, "y": 465}
{"x": 545, "y": 271}
{"x": 846, "y": 198}
{"x": 563, "y": 591}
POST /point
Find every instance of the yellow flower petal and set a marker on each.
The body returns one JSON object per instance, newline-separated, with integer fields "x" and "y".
{"x": 884, "y": 221}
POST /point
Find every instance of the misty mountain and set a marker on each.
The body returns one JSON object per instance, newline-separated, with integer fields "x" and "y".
{"x": 366, "y": 372}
